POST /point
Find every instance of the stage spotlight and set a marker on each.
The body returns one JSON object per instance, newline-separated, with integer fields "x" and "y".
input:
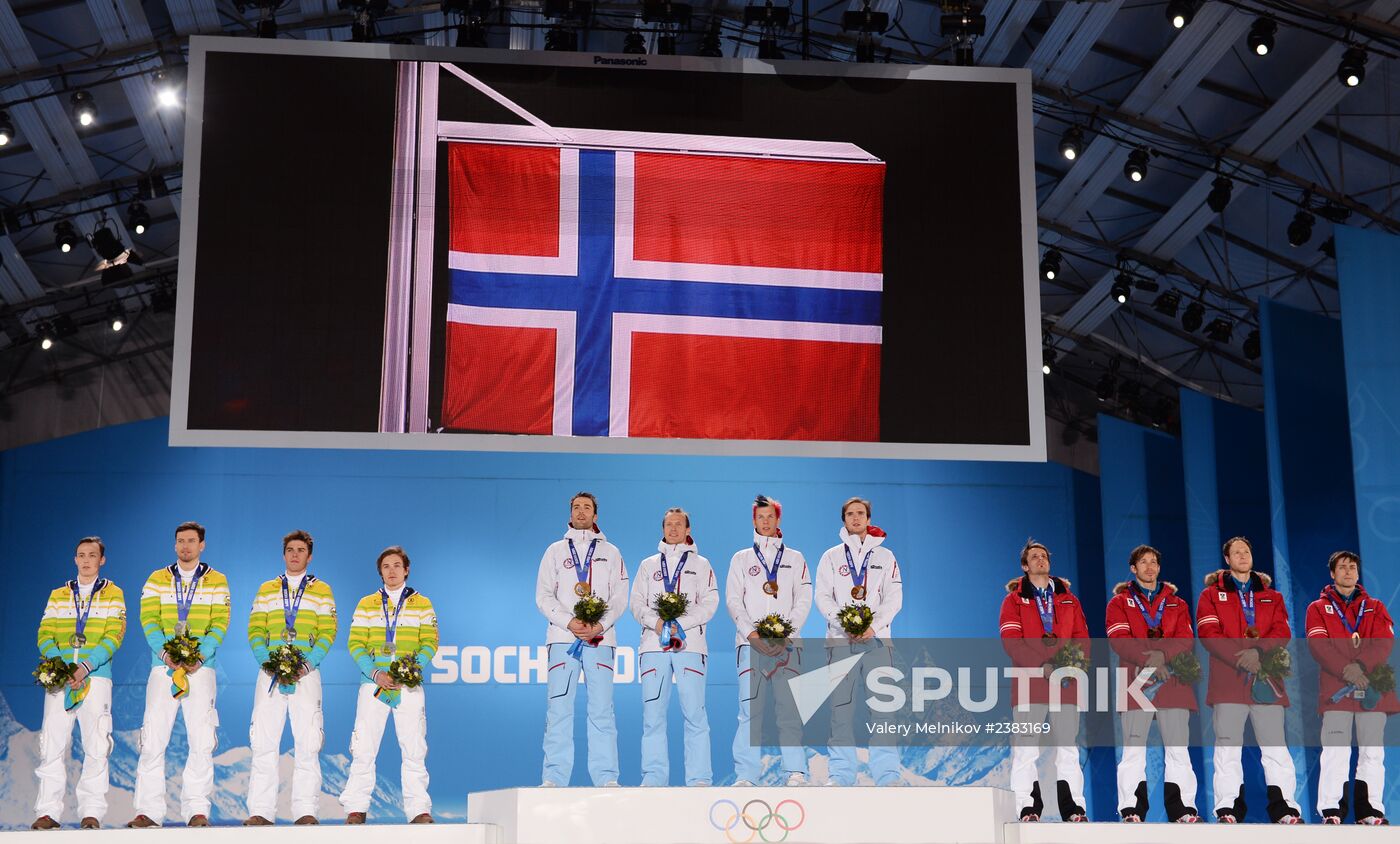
{"x": 1106, "y": 387}
{"x": 1179, "y": 12}
{"x": 1253, "y": 346}
{"x": 45, "y": 330}
{"x": 1136, "y": 167}
{"x": 117, "y": 316}
{"x": 766, "y": 15}
{"x": 7, "y": 129}
{"x": 1301, "y": 229}
{"x": 1072, "y": 143}
{"x": 1261, "y": 36}
{"x": 1047, "y": 359}
{"x": 84, "y": 108}
{"x": 710, "y": 46}
{"x": 65, "y": 237}
{"x": 1352, "y": 69}
{"x": 634, "y": 44}
{"x": 1167, "y": 302}
{"x": 1220, "y": 190}
{"x": 1328, "y": 247}
{"x": 1122, "y": 288}
{"x": 866, "y": 19}
{"x": 1050, "y": 264}
{"x": 167, "y": 91}
{"x": 106, "y": 244}
{"x": 137, "y": 217}
{"x": 1220, "y": 329}
{"x": 1193, "y": 316}
{"x": 561, "y": 39}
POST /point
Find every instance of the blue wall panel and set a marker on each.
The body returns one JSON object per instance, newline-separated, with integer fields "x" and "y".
{"x": 475, "y": 526}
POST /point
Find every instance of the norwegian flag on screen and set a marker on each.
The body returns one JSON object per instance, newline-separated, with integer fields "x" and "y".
{"x": 600, "y": 292}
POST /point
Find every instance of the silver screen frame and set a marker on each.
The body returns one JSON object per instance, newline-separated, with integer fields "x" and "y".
{"x": 397, "y": 311}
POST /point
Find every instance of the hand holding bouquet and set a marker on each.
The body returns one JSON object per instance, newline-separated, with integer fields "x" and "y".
{"x": 181, "y": 652}
{"x": 855, "y": 619}
{"x": 590, "y": 610}
{"x": 1070, "y": 655}
{"x": 406, "y": 672}
{"x": 1274, "y": 667}
{"x": 54, "y": 673}
{"x": 773, "y": 632}
{"x": 670, "y": 606}
{"x": 1185, "y": 667}
{"x": 286, "y": 664}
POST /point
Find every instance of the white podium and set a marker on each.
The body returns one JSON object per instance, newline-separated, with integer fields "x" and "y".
{"x": 811, "y": 815}
{"x": 333, "y": 832}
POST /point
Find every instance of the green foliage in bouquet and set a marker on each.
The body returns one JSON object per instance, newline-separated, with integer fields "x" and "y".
{"x": 590, "y": 609}
{"x": 285, "y": 664}
{"x": 855, "y": 619}
{"x": 54, "y": 673}
{"x": 1071, "y": 655}
{"x": 183, "y": 650}
{"x": 671, "y": 605}
{"x": 1275, "y": 664}
{"x": 1382, "y": 678}
{"x": 774, "y": 627}
{"x": 406, "y": 672}
{"x": 1185, "y": 667}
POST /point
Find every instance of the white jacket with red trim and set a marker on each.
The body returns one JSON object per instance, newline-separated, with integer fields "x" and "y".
{"x": 554, "y": 588}
{"x": 884, "y": 585}
{"x": 743, "y": 588}
{"x": 697, "y": 582}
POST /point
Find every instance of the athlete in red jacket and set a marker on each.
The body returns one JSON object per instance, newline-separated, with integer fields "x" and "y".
{"x": 1149, "y": 625}
{"x": 1240, "y": 618}
{"x": 1039, "y": 616}
{"x": 1349, "y": 634}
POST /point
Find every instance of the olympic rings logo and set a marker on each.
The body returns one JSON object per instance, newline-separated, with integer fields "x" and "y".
{"x": 766, "y": 821}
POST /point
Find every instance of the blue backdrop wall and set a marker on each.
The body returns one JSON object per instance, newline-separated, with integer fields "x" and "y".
{"x": 475, "y": 526}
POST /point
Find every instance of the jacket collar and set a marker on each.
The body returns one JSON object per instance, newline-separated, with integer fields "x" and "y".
{"x": 199, "y": 570}
{"x": 1224, "y": 580}
{"x": 1330, "y": 592}
{"x": 1022, "y": 586}
{"x": 581, "y": 538}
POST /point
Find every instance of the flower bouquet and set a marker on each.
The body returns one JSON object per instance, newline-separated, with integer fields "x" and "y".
{"x": 1275, "y": 666}
{"x": 670, "y": 606}
{"x": 182, "y": 649}
{"x": 54, "y": 673}
{"x": 285, "y": 663}
{"x": 589, "y": 609}
{"x": 1185, "y": 667}
{"x": 855, "y": 619}
{"x": 773, "y": 628}
{"x": 406, "y": 672}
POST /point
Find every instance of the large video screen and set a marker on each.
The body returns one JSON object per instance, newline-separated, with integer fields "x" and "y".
{"x": 400, "y": 247}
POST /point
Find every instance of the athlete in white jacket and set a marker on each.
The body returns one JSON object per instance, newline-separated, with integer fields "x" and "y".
{"x": 861, "y": 570}
{"x": 676, "y": 648}
{"x": 581, "y": 563}
{"x": 767, "y": 578}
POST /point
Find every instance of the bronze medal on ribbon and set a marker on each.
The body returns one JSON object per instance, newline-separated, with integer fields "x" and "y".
{"x": 582, "y": 589}
{"x": 858, "y": 592}
{"x": 1154, "y": 633}
{"x": 1356, "y": 639}
{"x": 1252, "y": 632}
{"x": 770, "y": 587}
{"x": 1048, "y": 637}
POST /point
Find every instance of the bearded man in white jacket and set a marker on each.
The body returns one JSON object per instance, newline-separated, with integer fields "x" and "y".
{"x": 768, "y": 578}
{"x": 583, "y": 563}
{"x": 861, "y": 570}
{"x": 674, "y": 648}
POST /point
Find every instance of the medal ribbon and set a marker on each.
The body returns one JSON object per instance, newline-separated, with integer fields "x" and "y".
{"x": 772, "y": 574}
{"x": 1045, "y": 604}
{"x": 584, "y": 570}
{"x": 858, "y": 579}
{"x": 183, "y": 599}
{"x": 1247, "y": 600}
{"x": 81, "y": 612}
{"x": 1346, "y": 622}
{"x": 667, "y": 582}
{"x": 391, "y": 626}
{"x": 1143, "y": 601}
{"x": 292, "y": 605}
{"x": 672, "y": 634}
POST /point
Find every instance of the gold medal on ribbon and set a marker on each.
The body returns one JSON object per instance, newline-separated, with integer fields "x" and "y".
{"x": 582, "y": 589}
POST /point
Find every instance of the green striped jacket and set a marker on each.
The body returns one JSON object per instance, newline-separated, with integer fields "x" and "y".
{"x": 315, "y": 620}
{"x": 417, "y": 632}
{"x": 208, "y": 617}
{"x": 106, "y": 625}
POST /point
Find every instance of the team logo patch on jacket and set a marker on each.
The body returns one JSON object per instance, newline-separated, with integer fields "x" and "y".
{"x": 844, "y": 571}
{"x": 753, "y": 571}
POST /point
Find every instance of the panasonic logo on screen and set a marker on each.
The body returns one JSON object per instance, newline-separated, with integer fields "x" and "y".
{"x": 624, "y": 62}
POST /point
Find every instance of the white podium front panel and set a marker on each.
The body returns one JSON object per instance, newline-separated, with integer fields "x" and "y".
{"x": 811, "y": 815}
{"x": 326, "y": 833}
{"x": 1198, "y": 833}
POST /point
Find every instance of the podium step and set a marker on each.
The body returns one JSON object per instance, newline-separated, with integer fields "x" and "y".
{"x": 333, "y": 832}
{"x": 810, "y": 815}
